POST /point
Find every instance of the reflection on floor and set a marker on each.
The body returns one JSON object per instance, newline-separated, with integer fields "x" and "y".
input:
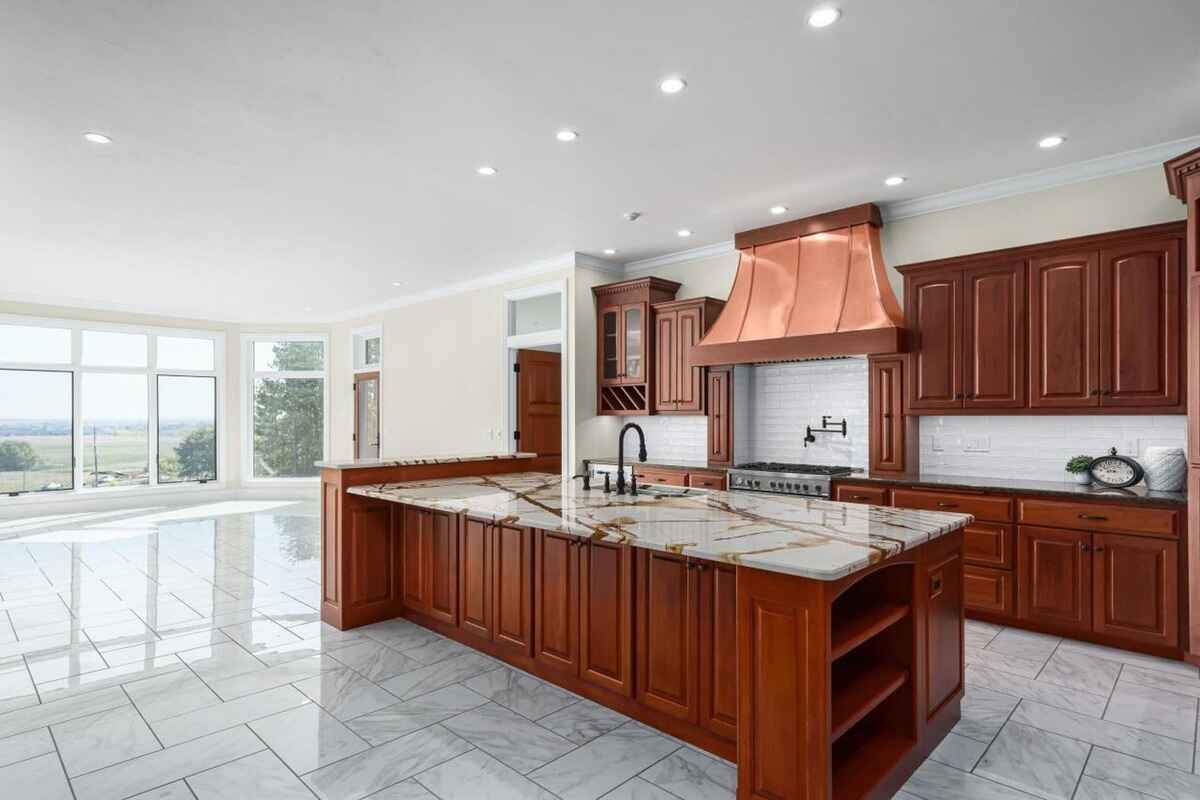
{"x": 177, "y": 653}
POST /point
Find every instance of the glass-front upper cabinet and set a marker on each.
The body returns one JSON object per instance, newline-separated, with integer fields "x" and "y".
{"x": 623, "y": 344}
{"x": 610, "y": 353}
{"x": 634, "y": 344}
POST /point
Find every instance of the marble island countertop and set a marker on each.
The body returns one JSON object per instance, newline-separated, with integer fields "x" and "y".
{"x": 809, "y": 537}
{"x": 410, "y": 461}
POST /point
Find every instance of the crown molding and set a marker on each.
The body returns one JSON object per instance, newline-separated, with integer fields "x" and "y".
{"x": 598, "y": 264}
{"x": 1078, "y": 172}
{"x": 692, "y": 254}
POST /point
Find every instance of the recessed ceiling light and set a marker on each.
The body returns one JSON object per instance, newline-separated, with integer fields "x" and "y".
{"x": 397, "y": 283}
{"x": 608, "y": 251}
{"x": 1051, "y": 141}
{"x": 566, "y": 136}
{"x": 824, "y": 17}
{"x": 683, "y": 232}
{"x": 672, "y": 85}
{"x": 777, "y": 210}
{"x": 485, "y": 170}
{"x": 308, "y": 308}
{"x": 97, "y": 138}
{"x": 894, "y": 180}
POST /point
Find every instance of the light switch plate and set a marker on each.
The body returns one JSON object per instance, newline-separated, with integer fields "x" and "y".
{"x": 978, "y": 444}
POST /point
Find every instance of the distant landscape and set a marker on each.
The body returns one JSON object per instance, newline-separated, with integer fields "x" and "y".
{"x": 35, "y": 455}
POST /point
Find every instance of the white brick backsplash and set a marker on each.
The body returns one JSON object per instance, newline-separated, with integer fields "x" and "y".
{"x": 773, "y": 403}
{"x": 1038, "y": 447}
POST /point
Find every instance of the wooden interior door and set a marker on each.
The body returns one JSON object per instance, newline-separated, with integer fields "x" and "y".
{"x": 1140, "y": 325}
{"x": 1136, "y": 588}
{"x": 443, "y": 567}
{"x": 606, "y": 615}
{"x": 608, "y": 325}
{"x": 475, "y": 578}
{"x": 666, "y": 363}
{"x": 556, "y": 601}
{"x": 668, "y": 622}
{"x": 1064, "y": 331}
{"x": 512, "y": 557}
{"x": 720, "y": 416}
{"x": 717, "y": 709}
{"x": 415, "y": 534}
{"x": 689, "y": 379}
{"x": 1054, "y": 577}
{"x": 994, "y": 335}
{"x": 366, "y": 415}
{"x": 539, "y": 402}
{"x": 934, "y": 310}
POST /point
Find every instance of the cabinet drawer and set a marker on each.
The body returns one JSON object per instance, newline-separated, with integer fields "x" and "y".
{"x": 987, "y": 589}
{"x": 989, "y": 544}
{"x": 872, "y": 495}
{"x": 665, "y": 477}
{"x": 1098, "y": 517}
{"x": 706, "y": 480}
{"x": 983, "y": 507}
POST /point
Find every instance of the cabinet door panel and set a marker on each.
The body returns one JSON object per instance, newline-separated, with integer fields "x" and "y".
{"x": 1064, "y": 331}
{"x": 667, "y": 631}
{"x": 606, "y": 616}
{"x": 888, "y": 442}
{"x": 934, "y": 303}
{"x": 415, "y": 535}
{"x": 1140, "y": 326}
{"x": 720, "y": 415}
{"x": 944, "y": 630}
{"x": 988, "y": 544}
{"x": 718, "y": 649}
{"x": 987, "y": 589}
{"x": 1136, "y": 583}
{"x": 1054, "y": 577}
{"x": 513, "y": 581}
{"x": 689, "y": 380}
{"x": 994, "y": 336}
{"x": 608, "y": 322}
{"x": 666, "y": 365}
{"x": 556, "y": 601}
{"x": 372, "y": 560}
{"x": 443, "y": 569}
{"x": 634, "y": 335}
{"x": 475, "y": 579}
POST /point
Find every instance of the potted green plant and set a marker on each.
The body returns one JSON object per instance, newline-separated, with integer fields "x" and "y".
{"x": 1078, "y": 466}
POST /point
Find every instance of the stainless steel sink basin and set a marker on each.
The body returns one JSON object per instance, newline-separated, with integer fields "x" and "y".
{"x": 667, "y": 491}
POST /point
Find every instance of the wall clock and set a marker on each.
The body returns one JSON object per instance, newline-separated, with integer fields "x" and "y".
{"x": 1115, "y": 471}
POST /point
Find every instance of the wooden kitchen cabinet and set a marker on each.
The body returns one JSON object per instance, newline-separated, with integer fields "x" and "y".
{"x": 857, "y": 493}
{"x": 430, "y": 572}
{"x": 1141, "y": 328}
{"x": 717, "y": 708}
{"x": 1136, "y": 588}
{"x": 605, "y": 614}
{"x": 893, "y": 439}
{"x": 943, "y": 581}
{"x": 556, "y": 601}
{"x": 993, "y": 320}
{"x": 988, "y": 590}
{"x": 668, "y": 633}
{"x": 512, "y": 582}
{"x": 933, "y": 304}
{"x": 720, "y": 416}
{"x": 1054, "y": 577}
{"x": 679, "y": 387}
{"x": 625, "y": 343}
{"x": 475, "y": 579}
{"x": 414, "y": 533}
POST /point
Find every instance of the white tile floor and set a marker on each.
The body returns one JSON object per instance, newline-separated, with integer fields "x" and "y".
{"x": 176, "y": 653}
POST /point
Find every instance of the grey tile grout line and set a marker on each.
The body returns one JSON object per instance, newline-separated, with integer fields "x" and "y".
{"x": 270, "y": 750}
{"x": 145, "y": 721}
{"x": 1083, "y": 771}
{"x": 1113, "y": 691}
{"x": 62, "y": 764}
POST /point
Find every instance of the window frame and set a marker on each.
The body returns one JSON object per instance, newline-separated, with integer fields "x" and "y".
{"x": 359, "y": 337}
{"x": 250, "y": 374}
{"x": 151, "y": 371}
{"x": 158, "y": 376}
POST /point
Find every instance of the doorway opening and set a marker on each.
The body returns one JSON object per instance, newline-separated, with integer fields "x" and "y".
{"x": 537, "y": 363}
{"x": 366, "y": 415}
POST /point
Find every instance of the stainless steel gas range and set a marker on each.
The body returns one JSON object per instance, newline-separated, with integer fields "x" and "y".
{"x": 804, "y": 480}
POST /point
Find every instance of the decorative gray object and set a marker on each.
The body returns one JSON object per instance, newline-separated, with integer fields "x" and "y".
{"x": 1166, "y": 468}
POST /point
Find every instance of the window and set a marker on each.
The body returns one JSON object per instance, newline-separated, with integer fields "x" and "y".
{"x": 92, "y": 406}
{"x": 287, "y": 406}
{"x": 368, "y": 348}
{"x": 35, "y": 430}
{"x": 187, "y": 428}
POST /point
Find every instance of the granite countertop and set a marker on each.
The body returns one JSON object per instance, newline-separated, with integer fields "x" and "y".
{"x": 1134, "y": 494}
{"x": 411, "y": 461}
{"x": 631, "y": 461}
{"x": 809, "y": 537}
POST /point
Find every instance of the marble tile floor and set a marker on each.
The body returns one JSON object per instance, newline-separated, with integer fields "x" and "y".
{"x": 177, "y": 653}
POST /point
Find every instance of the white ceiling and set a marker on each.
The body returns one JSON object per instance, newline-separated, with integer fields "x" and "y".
{"x": 274, "y": 156}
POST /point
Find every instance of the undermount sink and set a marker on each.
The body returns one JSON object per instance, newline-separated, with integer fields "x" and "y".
{"x": 667, "y": 491}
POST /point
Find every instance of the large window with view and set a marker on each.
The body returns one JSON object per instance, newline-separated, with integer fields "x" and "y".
{"x": 286, "y": 393}
{"x": 86, "y": 406}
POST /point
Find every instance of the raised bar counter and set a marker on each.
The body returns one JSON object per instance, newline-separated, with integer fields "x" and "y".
{"x": 809, "y": 537}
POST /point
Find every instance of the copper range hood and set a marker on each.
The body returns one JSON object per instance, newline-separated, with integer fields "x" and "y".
{"x": 808, "y": 288}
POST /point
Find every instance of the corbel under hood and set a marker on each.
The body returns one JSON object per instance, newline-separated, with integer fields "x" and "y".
{"x": 808, "y": 288}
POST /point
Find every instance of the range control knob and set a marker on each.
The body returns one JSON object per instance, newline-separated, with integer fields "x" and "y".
{"x": 754, "y": 483}
{"x": 806, "y": 487}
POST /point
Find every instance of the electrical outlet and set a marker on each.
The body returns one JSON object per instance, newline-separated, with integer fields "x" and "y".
{"x": 978, "y": 444}
{"x": 939, "y": 443}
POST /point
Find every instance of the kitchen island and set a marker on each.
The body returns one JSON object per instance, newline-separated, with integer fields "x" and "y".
{"x": 818, "y": 644}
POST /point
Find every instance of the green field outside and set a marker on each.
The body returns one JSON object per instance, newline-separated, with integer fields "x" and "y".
{"x": 121, "y": 458}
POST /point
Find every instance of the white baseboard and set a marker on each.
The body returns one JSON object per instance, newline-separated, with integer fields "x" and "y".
{"x": 48, "y": 504}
